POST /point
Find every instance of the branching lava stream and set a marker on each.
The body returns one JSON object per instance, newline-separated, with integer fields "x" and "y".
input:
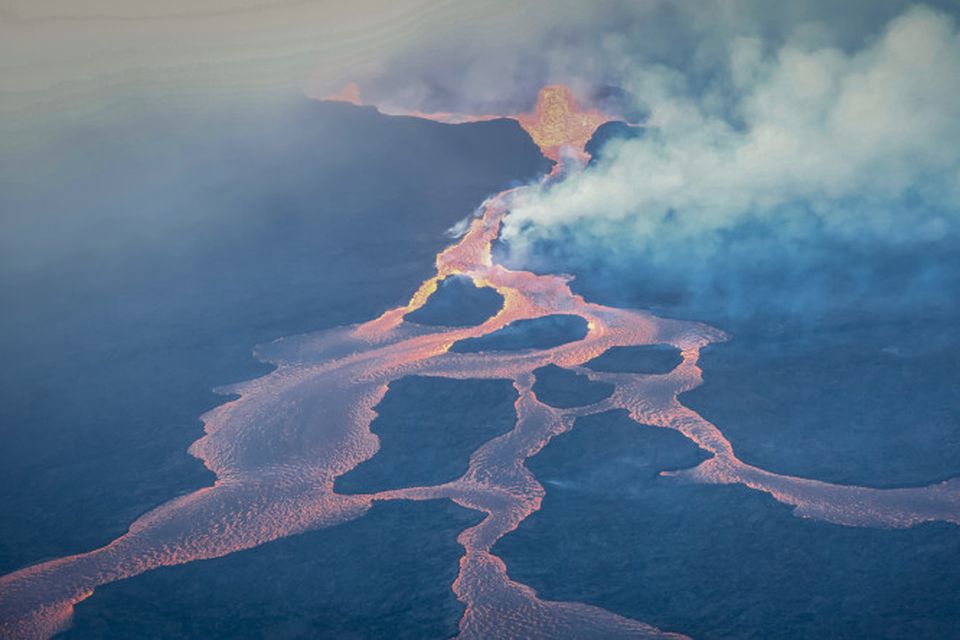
{"x": 277, "y": 449}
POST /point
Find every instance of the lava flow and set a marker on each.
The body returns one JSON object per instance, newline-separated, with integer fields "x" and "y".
{"x": 557, "y": 123}
{"x": 277, "y": 449}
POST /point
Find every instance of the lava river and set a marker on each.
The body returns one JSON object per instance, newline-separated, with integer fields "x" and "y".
{"x": 277, "y": 449}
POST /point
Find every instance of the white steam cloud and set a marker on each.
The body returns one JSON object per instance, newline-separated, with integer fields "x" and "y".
{"x": 863, "y": 142}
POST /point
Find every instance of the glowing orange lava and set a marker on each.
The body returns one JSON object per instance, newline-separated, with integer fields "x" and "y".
{"x": 557, "y": 124}
{"x": 277, "y": 449}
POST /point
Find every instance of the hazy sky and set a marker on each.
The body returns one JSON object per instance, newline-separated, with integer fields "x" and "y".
{"x": 483, "y": 53}
{"x": 63, "y": 54}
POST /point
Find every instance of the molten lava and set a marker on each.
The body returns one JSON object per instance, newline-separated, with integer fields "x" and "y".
{"x": 557, "y": 123}
{"x": 278, "y": 447}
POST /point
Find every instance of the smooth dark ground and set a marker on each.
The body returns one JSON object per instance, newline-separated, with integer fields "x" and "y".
{"x": 142, "y": 260}
{"x": 564, "y": 389}
{"x": 841, "y": 365}
{"x": 859, "y": 390}
{"x": 428, "y": 427}
{"x": 385, "y": 575}
{"x": 843, "y": 362}
{"x": 718, "y": 561}
{"x": 458, "y": 302}
{"x": 646, "y": 358}
{"x": 865, "y": 404}
{"x": 535, "y": 333}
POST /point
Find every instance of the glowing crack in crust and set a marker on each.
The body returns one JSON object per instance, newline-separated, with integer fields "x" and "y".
{"x": 277, "y": 449}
